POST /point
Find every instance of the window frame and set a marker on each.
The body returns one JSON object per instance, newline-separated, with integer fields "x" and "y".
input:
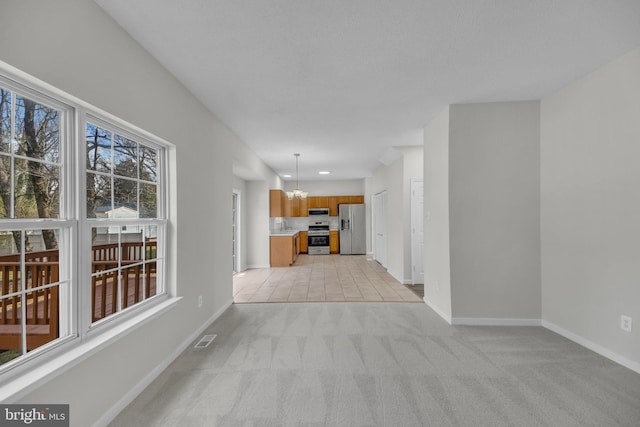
{"x": 85, "y": 337}
{"x": 66, "y": 222}
{"x": 86, "y": 223}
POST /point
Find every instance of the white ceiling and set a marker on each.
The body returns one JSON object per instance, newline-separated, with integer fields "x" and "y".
{"x": 341, "y": 81}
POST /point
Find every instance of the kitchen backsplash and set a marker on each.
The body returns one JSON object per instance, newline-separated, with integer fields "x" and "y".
{"x": 300, "y": 223}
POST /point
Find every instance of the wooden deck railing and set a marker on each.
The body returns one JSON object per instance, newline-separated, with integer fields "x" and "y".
{"x": 41, "y": 268}
{"x": 41, "y": 306}
{"x": 137, "y": 284}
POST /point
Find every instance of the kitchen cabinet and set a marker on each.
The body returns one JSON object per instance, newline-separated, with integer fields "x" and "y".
{"x": 335, "y": 202}
{"x": 334, "y": 241}
{"x": 295, "y": 207}
{"x": 304, "y": 242}
{"x": 277, "y": 203}
{"x": 281, "y": 206}
{"x": 318, "y": 202}
{"x": 333, "y": 205}
{"x": 303, "y": 209}
{"x": 284, "y": 249}
{"x": 350, "y": 200}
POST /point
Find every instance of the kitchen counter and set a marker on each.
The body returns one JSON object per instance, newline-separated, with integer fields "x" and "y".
{"x": 284, "y": 233}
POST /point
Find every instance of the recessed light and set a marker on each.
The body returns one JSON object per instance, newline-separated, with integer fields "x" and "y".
{"x": 324, "y": 172}
{"x": 286, "y": 176}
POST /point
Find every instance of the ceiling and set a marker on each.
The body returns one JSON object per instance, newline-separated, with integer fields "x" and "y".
{"x": 342, "y": 81}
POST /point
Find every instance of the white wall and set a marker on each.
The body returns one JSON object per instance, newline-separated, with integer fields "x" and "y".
{"x": 590, "y": 174}
{"x": 258, "y": 179}
{"x": 395, "y": 178}
{"x": 340, "y": 187}
{"x": 75, "y": 46}
{"x": 258, "y": 224}
{"x": 494, "y": 210}
{"x": 248, "y": 166}
{"x": 240, "y": 186}
{"x": 412, "y": 161}
{"x": 395, "y": 218}
{"x": 368, "y": 193}
{"x": 437, "y": 265}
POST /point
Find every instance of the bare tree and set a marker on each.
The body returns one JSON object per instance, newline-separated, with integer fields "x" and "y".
{"x": 5, "y": 175}
{"x": 36, "y": 148}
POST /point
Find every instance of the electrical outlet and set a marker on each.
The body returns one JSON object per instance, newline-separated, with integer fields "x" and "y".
{"x": 199, "y": 301}
{"x": 625, "y": 323}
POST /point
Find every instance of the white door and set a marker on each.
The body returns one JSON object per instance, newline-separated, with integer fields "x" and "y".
{"x": 380, "y": 227}
{"x": 417, "y": 231}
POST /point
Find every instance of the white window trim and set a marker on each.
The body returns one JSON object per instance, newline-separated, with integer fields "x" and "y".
{"x": 127, "y": 131}
{"x": 51, "y": 360}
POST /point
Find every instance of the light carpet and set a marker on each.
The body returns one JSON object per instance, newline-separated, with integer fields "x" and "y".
{"x": 383, "y": 364}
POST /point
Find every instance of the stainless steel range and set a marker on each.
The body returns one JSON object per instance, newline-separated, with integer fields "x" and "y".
{"x": 318, "y": 238}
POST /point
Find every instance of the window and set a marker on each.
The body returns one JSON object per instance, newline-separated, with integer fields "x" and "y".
{"x": 82, "y": 222}
{"x": 34, "y": 223}
{"x": 124, "y": 217}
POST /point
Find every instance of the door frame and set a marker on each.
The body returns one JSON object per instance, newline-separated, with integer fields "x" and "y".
{"x": 379, "y": 201}
{"x": 417, "y": 220}
{"x": 236, "y": 222}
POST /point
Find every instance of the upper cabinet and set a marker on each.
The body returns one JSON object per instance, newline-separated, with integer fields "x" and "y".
{"x": 276, "y": 203}
{"x": 333, "y": 205}
{"x": 318, "y": 202}
{"x": 296, "y": 207}
{"x": 281, "y": 206}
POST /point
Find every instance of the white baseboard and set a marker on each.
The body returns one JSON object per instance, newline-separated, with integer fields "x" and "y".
{"x": 258, "y": 266}
{"x": 481, "y": 321}
{"x": 113, "y": 412}
{"x": 437, "y": 310}
{"x": 396, "y": 276}
{"x": 627, "y": 363}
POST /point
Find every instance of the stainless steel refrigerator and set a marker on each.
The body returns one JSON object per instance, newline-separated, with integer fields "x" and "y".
{"x": 353, "y": 240}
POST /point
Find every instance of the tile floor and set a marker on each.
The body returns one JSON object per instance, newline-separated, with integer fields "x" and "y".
{"x": 321, "y": 278}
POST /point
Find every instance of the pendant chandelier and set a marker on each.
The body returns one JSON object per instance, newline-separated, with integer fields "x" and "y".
{"x": 297, "y": 193}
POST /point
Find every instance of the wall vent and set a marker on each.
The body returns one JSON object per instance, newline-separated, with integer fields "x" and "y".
{"x": 205, "y": 341}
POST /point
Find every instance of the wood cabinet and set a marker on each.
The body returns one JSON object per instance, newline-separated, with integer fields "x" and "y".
{"x": 277, "y": 203}
{"x": 303, "y": 208}
{"x": 304, "y": 242}
{"x": 333, "y": 205}
{"x": 318, "y": 202}
{"x": 334, "y": 241}
{"x": 295, "y": 207}
{"x": 350, "y": 200}
{"x": 281, "y": 206}
{"x": 336, "y": 201}
{"x": 283, "y": 250}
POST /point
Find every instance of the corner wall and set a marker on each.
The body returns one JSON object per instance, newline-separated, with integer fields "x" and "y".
{"x": 436, "y": 258}
{"x": 590, "y": 181}
{"x": 494, "y": 202}
{"x": 257, "y": 229}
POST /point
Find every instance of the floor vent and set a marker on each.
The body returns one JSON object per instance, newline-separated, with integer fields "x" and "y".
{"x": 205, "y": 341}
